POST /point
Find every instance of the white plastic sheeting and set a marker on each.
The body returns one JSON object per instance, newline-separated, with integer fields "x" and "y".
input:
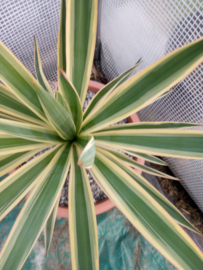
{"x": 134, "y": 29}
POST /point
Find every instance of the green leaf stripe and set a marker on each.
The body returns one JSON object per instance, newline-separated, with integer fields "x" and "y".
{"x": 145, "y": 86}
{"x": 9, "y": 104}
{"x": 82, "y": 220}
{"x": 71, "y": 98}
{"x": 35, "y": 212}
{"x": 38, "y": 69}
{"x": 29, "y": 131}
{"x": 165, "y": 203}
{"x": 173, "y": 143}
{"x": 146, "y": 215}
{"x": 107, "y": 89}
{"x": 18, "y": 79}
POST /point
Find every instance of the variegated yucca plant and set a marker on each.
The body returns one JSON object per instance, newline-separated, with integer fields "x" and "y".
{"x": 33, "y": 118}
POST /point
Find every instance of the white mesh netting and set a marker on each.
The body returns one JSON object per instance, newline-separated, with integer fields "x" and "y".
{"x": 21, "y": 20}
{"x": 131, "y": 30}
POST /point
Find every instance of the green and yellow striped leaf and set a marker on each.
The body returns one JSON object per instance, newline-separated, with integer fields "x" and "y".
{"x": 58, "y": 117}
{"x": 62, "y": 37}
{"x": 72, "y": 99}
{"x": 82, "y": 219}
{"x": 146, "y": 157}
{"x": 131, "y": 162}
{"x": 17, "y": 185}
{"x": 61, "y": 100}
{"x": 29, "y": 131}
{"x": 10, "y": 144}
{"x": 18, "y": 79}
{"x": 81, "y": 27}
{"x": 148, "y": 125}
{"x": 145, "y": 86}
{"x": 49, "y": 227}
{"x": 165, "y": 203}
{"x": 146, "y": 215}
{"x": 10, "y": 162}
{"x": 10, "y": 117}
{"x": 35, "y": 212}
{"x": 87, "y": 156}
{"x": 9, "y": 104}
{"x": 107, "y": 89}
{"x": 171, "y": 143}
{"x": 38, "y": 69}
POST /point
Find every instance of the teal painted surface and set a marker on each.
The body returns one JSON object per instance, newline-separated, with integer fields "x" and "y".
{"x": 121, "y": 246}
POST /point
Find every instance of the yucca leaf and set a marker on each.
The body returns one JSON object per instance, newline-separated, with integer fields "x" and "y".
{"x": 81, "y": 27}
{"x": 146, "y": 157}
{"x": 72, "y": 99}
{"x": 10, "y": 144}
{"x": 87, "y": 145}
{"x": 59, "y": 118}
{"x": 82, "y": 220}
{"x": 60, "y": 99}
{"x": 17, "y": 185}
{"x": 107, "y": 89}
{"x": 172, "y": 143}
{"x": 10, "y": 162}
{"x": 163, "y": 95}
{"x": 165, "y": 203}
{"x": 149, "y": 125}
{"x": 10, "y": 117}
{"x": 15, "y": 76}
{"x": 146, "y": 215}
{"x": 38, "y": 69}
{"x": 9, "y": 104}
{"x": 35, "y": 212}
{"x": 134, "y": 164}
{"x": 29, "y": 131}
{"x": 49, "y": 227}
{"x": 146, "y": 86}
{"x": 62, "y": 37}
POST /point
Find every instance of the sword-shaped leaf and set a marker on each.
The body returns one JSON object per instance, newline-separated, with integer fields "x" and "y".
{"x": 9, "y": 104}
{"x": 38, "y": 69}
{"x": 10, "y": 162}
{"x": 172, "y": 143}
{"x": 165, "y": 203}
{"x": 149, "y": 158}
{"x": 62, "y": 37}
{"x": 49, "y": 227}
{"x": 71, "y": 98}
{"x": 81, "y": 27}
{"x": 145, "y": 86}
{"x": 29, "y": 131}
{"x": 149, "y": 125}
{"x": 57, "y": 115}
{"x": 131, "y": 162}
{"x": 82, "y": 219}
{"x": 10, "y": 144}
{"x": 107, "y": 89}
{"x": 35, "y": 212}
{"x": 146, "y": 215}
{"x": 17, "y": 185}
{"x": 18, "y": 79}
